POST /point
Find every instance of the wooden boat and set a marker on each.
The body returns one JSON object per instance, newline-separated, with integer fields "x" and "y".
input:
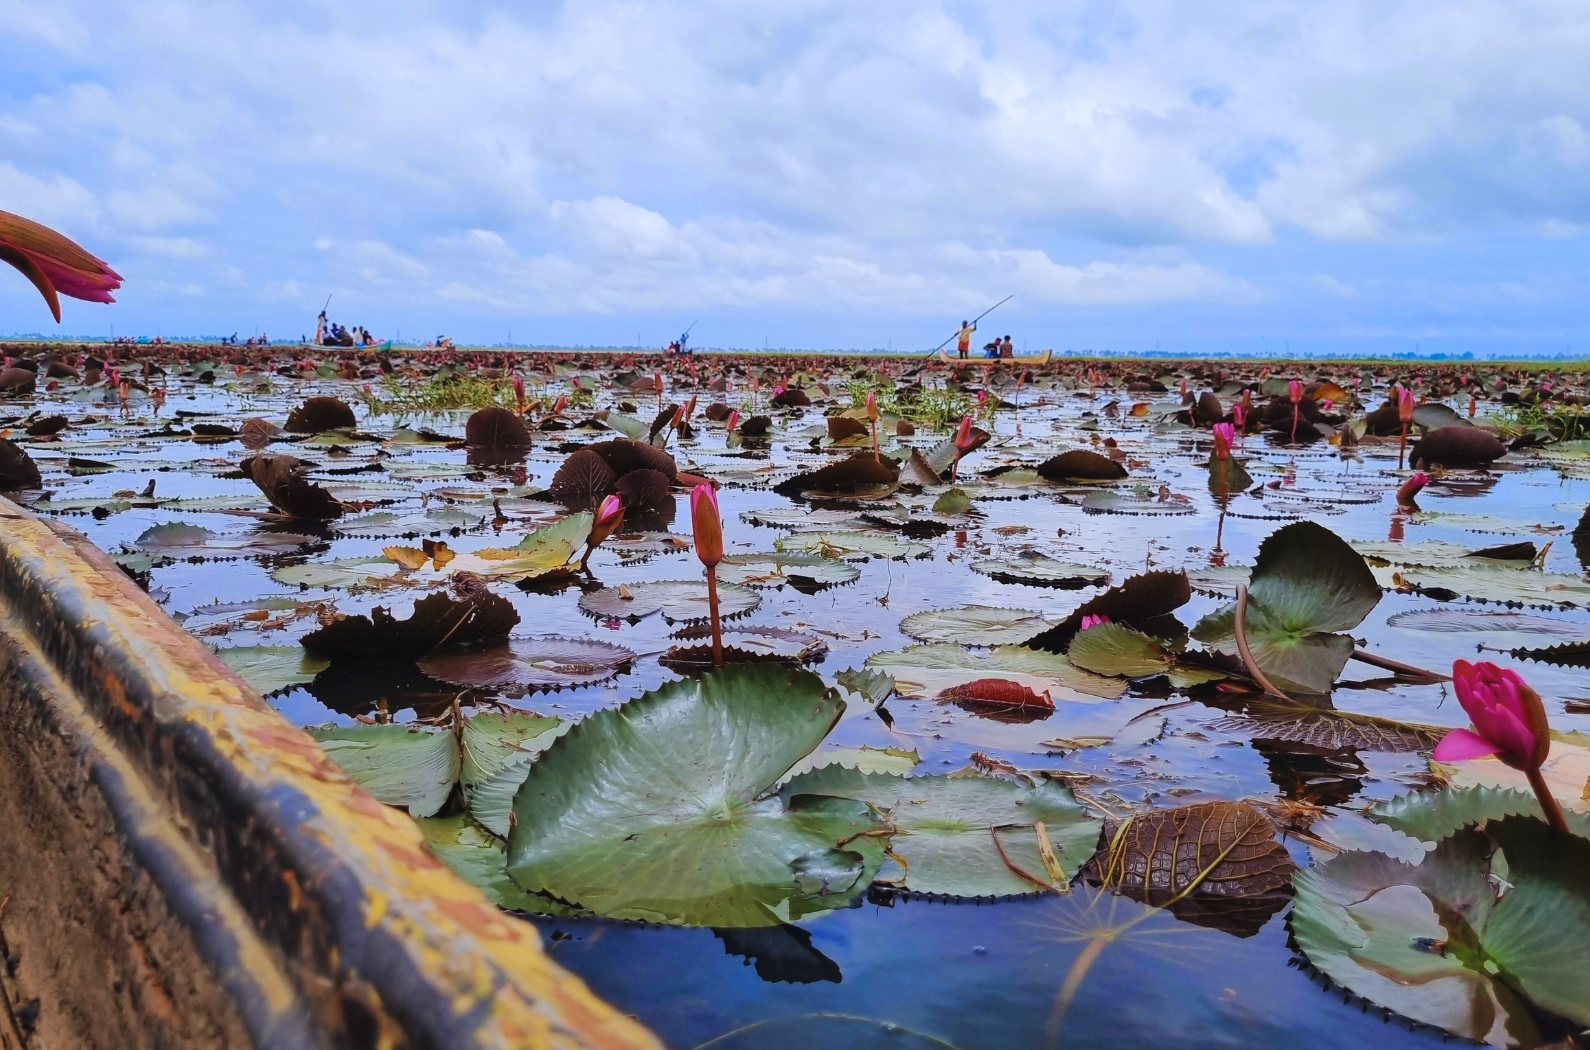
{"x": 1035, "y": 359}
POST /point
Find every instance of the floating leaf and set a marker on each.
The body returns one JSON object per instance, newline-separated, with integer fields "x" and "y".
{"x": 496, "y": 428}
{"x": 545, "y": 553}
{"x": 319, "y": 414}
{"x": 851, "y": 545}
{"x": 1307, "y": 584}
{"x": 873, "y": 686}
{"x": 1455, "y": 940}
{"x": 1566, "y": 772}
{"x": 271, "y": 668}
{"x": 1486, "y": 583}
{"x": 1216, "y": 864}
{"x": 180, "y": 540}
{"x": 1115, "y": 649}
{"x": 524, "y": 664}
{"x": 1448, "y": 620}
{"x": 864, "y": 759}
{"x": 1036, "y": 570}
{"x": 1144, "y": 601}
{"x": 927, "y": 670}
{"x": 1456, "y": 447}
{"x": 479, "y": 857}
{"x": 437, "y": 620}
{"x": 806, "y": 573}
{"x": 1325, "y": 727}
{"x": 649, "y": 810}
{"x": 1081, "y": 465}
{"x": 952, "y": 830}
{"x": 974, "y": 625}
{"x": 858, "y": 477}
{"x": 494, "y": 740}
{"x": 344, "y": 572}
{"x": 678, "y": 600}
{"x": 1431, "y": 816}
{"x": 408, "y": 766}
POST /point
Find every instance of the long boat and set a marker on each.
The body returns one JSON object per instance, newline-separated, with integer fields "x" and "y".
{"x": 1035, "y": 359}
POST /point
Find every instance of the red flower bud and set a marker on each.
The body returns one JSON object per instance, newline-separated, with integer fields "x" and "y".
{"x": 706, "y": 525}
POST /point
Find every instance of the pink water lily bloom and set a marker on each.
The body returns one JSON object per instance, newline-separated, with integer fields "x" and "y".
{"x": 706, "y": 525}
{"x": 1224, "y": 433}
{"x": 1294, "y": 390}
{"x": 1405, "y": 405}
{"x": 54, "y": 263}
{"x": 1509, "y": 719}
{"x": 1090, "y": 621}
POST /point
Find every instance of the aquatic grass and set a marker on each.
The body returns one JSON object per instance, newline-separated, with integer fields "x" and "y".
{"x": 937, "y": 408}
{"x": 441, "y": 394}
{"x": 1562, "y": 422}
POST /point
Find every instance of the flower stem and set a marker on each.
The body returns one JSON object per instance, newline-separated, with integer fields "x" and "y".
{"x": 1247, "y": 654}
{"x": 712, "y": 607}
{"x": 1548, "y": 801}
{"x": 1402, "y": 447}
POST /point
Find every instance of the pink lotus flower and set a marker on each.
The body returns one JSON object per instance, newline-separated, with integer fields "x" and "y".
{"x": 963, "y": 435}
{"x": 609, "y": 519}
{"x": 706, "y": 525}
{"x": 55, "y": 264}
{"x": 1294, "y": 390}
{"x": 1405, "y": 405}
{"x": 733, "y": 421}
{"x": 1239, "y": 412}
{"x": 1090, "y": 621}
{"x": 1224, "y": 433}
{"x": 872, "y": 405}
{"x": 1326, "y": 405}
{"x": 1410, "y": 488}
{"x": 1509, "y": 719}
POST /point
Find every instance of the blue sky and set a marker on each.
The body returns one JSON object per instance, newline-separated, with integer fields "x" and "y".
{"x": 1341, "y": 177}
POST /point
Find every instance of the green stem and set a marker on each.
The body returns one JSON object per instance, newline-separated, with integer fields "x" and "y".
{"x": 1548, "y": 801}
{"x": 712, "y": 608}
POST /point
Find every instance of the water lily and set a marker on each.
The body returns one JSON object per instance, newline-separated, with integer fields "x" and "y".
{"x": 1294, "y": 390}
{"x": 1410, "y": 488}
{"x": 55, "y": 264}
{"x": 1404, "y": 413}
{"x": 608, "y": 520}
{"x": 733, "y": 422}
{"x": 518, "y": 393}
{"x": 1092, "y": 620}
{"x": 963, "y": 444}
{"x": 707, "y": 527}
{"x": 1224, "y": 433}
{"x": 1509, "y": 723}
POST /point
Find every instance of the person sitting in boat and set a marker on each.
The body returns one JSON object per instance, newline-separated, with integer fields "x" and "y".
{"x": 991, "y": 349}
{"x": 673, "y": 347}
{"x": 1006, "y": 348}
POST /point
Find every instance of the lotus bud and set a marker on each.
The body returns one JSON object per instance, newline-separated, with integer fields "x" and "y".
{"x": 560, "y": 404}
{"x": 1090, "y": 621}
{"x": 872, "y": 405}
{"x": 706, "y": 525}
{"x": 657, "y": 382}
{"x": 690, "y": 410}
{"x": 1405, "y": 405}
{"x": 1509, "y": 722}
{"x": 1240, "y": 413}
{"x": 1224, "y": 433}
{"x": 1410, "y": 488}
{"x": 55, "y": 264}
{"x": 1294, "y": 391}
{"x": 733, "y": 422}
{"x": 963, "y": 435}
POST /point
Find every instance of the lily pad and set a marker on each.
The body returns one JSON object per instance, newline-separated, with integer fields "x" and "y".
{"x": 1115, "y": 649}
{"x": 850, "y": 545}
{"x": 271, "y": 668}
{"x": 1109, "y": 502}
{"x": 974, "y": 625}
{"x": 651, "y": 810}
{"x": 481, "y": 858}
{"x": 927, "y": 670}
{"x": 1307, "y": 585}
{"x": 968, "y": 835}
{"x": 1503, "y": 586}
{"x": 344, "y": 572}
{"x": 806, "y": 573}
{"x": 178, "y": 539}
{"x": 1036, "y": 570}
{"x": 682, "y": 601}
{"x": 408, "y": 766}
{"x": 524, "y": 664}
{"x": 1488, "y": 919}
{"x": 1449, "y": 620}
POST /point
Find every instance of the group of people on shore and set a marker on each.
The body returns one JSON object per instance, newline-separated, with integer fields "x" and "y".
{"x": 996, "y": 348}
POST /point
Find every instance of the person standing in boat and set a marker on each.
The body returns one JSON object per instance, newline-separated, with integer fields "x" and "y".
{"x": 1006, "y": 348}
{"x": 963, "y": 340}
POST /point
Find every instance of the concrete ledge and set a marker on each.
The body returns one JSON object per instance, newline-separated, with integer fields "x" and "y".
{"x": 184, "y": 868}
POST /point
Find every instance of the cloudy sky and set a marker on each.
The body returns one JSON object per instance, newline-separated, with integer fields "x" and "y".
{"x": 1360, "y": 175}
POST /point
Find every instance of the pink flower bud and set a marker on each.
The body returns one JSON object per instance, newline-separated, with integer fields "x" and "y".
{"x": 733, "y": 422}
{"x": 872, "y": 405}
{"x": 1509, "y": 719}
{"x": 1410, "y": 488}
{"x": 1090, "y": 621}
{"x": 1405, "y": 405}
{"x": 1224, "y": 433}
{"x": 1294, "y": 390}
{"x": 963, "y": 435}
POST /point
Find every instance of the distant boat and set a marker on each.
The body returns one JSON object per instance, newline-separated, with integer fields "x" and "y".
{"x": 1035, "y": 359}
{"x": 384, "y": 345}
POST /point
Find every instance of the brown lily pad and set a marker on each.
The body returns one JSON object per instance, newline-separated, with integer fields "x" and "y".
{"x": 1456, "y": 447}
{"x": 319, "y": 414}
{"x": 496, "y": 428}
{"x": 1081, "y": 465}
{"x": 284, "y": 482}
{"x": 17, "y": 469}
{"x": 437, "y": 620}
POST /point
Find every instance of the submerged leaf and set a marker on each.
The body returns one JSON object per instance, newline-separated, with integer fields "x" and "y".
{"x": 974, "y": 625}
{"x": 1036, "y": 570}
{"x": 400, "y": 765}
{"x": 967, "y": 836}
{"x": 927, "y": 670}
{"x": 678, "y": 600}
{"x": 271, "y": 668}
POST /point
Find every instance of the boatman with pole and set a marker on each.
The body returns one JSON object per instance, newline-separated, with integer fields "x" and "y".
{"x": 963, "y": 339}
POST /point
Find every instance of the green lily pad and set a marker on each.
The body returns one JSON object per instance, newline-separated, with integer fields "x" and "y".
{"x": 1431, "y": 816}
{"x": 271, "y": 668}
{"x": 1307, "y": 583}
{"x": 927, "y": 670}
{"x": 950, "y": 830}
{"x": 1036, "y": 570}
{"x": 1106, "y": 501}
{"x": 1115, "y": 649}
{"x": 479, "y": 857}
{"x": 863, "y": 758}
{"x": 974, "y": 625}
{"x": 1490, "y": 583}
{"x": 400, "y": 765}
{"x": 803, "y": 572}
{"x": 653, "y": 810}
{"x": 683, "y": 601}
{"x": 850, "y": 545}
{"x": 1449, "y": 619}
{"x": 1488, "y": 919}
{"x": 552, "y": 550}
{"x": 344, "y": 572}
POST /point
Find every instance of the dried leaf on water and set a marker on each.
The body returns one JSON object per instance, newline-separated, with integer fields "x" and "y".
{"x": 284, "y": 482}
{"x": 437, "y": 620}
